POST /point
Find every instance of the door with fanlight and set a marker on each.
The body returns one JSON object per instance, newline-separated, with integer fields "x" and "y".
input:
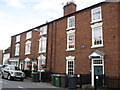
{"x": 97, "y": 68}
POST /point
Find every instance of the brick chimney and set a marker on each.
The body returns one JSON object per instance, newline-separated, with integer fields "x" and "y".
{"x": 69, "y": 8}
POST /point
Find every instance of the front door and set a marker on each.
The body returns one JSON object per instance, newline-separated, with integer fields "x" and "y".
{"x": 99, "y": 77}
{"x": 98, "y": 70}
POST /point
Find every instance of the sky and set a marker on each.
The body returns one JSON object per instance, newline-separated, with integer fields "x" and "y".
{"x": 17, "y": 16}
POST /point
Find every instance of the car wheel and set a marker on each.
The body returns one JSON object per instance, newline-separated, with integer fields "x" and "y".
{"x": 2, "y": 75}
{"x": 9, "y": 77}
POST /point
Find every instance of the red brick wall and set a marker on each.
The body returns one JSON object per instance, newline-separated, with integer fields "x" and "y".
{"x": 84, "y": 37}
{"x": 50, "y": 46}
{"x": 119, "y": 39}
{"x": 12, "y": 50}
{"x": 34, "y": 45}
{"x": 110, "y": 30}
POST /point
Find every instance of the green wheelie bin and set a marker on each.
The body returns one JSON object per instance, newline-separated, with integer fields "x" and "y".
{"x": 35, "y": 76}
{"x": 57, "y": 80}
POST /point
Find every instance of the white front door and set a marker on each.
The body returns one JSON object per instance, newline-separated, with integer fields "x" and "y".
{"x": 21, "y": 66}
{"x": 39, "y": 64}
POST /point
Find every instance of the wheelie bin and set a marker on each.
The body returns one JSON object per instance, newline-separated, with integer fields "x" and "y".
{"x": 57, "y": 80}
{"x": 35, "y": 77}
{"x": 72, "y": 82}
{"x": 64, "y": 81}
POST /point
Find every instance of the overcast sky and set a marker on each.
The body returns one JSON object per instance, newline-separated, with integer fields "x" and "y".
{"x": 17, "y": 16}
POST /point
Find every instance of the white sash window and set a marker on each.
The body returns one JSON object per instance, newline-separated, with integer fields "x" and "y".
{"x": 27, "y": 47}
{"x": 17, "y": 49}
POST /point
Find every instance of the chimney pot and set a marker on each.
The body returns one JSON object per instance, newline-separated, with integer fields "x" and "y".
{"x": 69, "y": 8}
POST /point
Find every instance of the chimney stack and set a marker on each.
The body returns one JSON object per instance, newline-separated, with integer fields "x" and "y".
{"x": 69, "y": 8}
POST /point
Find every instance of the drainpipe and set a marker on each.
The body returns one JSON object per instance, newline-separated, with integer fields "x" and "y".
{"x": 47, "y": 45}
{"x": 51, "y": 48}
{"x": 55, "y": 46}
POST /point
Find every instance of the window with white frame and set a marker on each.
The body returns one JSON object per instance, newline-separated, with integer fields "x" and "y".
{"x": 99, "y": 61}
{"x": 17, "y": 49}
{"x": 43, "y": 30}
{"x": 42, "y": 44}
{"x": 71, "y": 40}
{"x": 18, "y": 38}
{"x": 27, "y": 47}
{"x": 28, "y": 35}
{"x": 97, "y": 39}
{"x": 97, "y": 35}
{"x": 71, "y": 22}
{"x": 96, "y": 14}
{"x": 70, "y": 65}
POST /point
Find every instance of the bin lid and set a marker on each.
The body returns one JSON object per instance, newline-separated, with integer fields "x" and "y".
{"x": 34, "y": 72}
{"x": 72, "y": 76}
{"x": 57, "y": 74}
{"x": 62, "y": 75}
{"x": 53, "y": 75}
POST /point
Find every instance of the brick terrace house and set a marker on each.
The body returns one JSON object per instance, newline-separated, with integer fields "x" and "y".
{"x": 80, "y": 42}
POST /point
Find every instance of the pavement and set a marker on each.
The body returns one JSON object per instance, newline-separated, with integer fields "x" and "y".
{"x": 84, "y": 87}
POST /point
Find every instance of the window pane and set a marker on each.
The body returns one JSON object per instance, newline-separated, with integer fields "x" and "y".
{"x": 97, "y": 35}
{"x": 43, "y": 30}
{"x": 70, "y": 67}
{"x": 17, "y": 48}
{"x": 42, "y": 44}
{"x": 71, "y": 39}
{"x": 71, "y": 22}
{"x": 96, "y": 14}
{"x": 28, "y": 47}
{"x": 18, "y": 38}
{"x": 28, "y": 35}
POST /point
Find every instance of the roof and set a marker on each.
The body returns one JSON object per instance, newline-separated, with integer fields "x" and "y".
{"x": 7, "y": 50}
{"x": 63, "y": 17}
{"x": 97, "y": 53}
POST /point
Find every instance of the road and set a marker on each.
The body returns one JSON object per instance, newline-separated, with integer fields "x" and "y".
{"x": 27, "y": 84}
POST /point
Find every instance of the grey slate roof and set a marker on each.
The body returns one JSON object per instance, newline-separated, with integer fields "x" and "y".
{"x": 96, "y": 54}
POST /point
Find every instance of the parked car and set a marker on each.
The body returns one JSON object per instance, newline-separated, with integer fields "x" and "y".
{"x": 12, "y": 72}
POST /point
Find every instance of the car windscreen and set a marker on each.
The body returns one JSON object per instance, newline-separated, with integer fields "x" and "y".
{"x": 12, "y": 67}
